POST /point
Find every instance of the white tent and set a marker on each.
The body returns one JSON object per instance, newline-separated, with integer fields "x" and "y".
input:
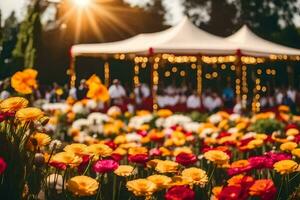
{"x": 184, "y": 38}
{"x": 252, "y": 45}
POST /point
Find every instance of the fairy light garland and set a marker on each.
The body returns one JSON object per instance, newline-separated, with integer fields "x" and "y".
{"x": 244, "y": 83}
{"x": 106, "y": 74}
{"x": 155, "y": 79}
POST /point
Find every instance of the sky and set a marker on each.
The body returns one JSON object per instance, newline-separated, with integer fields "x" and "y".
{"x": 173, "y": 16}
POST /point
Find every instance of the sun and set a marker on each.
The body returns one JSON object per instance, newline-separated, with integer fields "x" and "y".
{"x": 81, "y": 3}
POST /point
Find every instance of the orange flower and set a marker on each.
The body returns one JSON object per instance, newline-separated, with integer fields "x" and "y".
{"x": 24, "y": 82}
{"x": 29, "y": 114}
{"x": 263, "y": 188}
{"x": 239, "y": 180}
{"x": 98, "y": 92}
{"x": 93, "y": 79}
{"x": 13, "y": 104}
{"x": 164, "y": 113}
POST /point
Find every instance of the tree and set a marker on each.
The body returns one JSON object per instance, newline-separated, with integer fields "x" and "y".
{"x": 29, "y": 36}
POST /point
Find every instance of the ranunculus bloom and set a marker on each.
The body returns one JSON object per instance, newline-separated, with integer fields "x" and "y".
{"x": 124, "y": 170}
{"x": 141, "y": 187}
{"x": 285, "y": 166}
{"x": 233, "y": 193}
{"x": 82, "y": 186}
{"x": 180, "y": 192}
{"x": 263, "y": 188}
{"x": 29, "y": 114}
{"x": 62, "y": 159}
{"x": 104, "y": 166}
{"x": 240, "y": 180}
{"x": 99, "y": 150}
{"x": 13, "y": 104}
{"x": 197, "y": 176}
{"x": 3, "y": 165}
{"x": 24, "y": 81}
{"x": 238, "y": 167}
{"x": 77, "y": 148}
{"x": 161, "y": 181}
{"x": 166, "y": 166}
{"x": 138, "y": 158}
{"x": 259, "y": 162}
{"x": 186, "y": 159}
{"x": 216, "y": 156}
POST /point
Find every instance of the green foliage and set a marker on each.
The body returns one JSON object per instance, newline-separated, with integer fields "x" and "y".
{"x": 28, "y": 37}
{"x": 267, "y": 126}
{"x": 198, "y": 116}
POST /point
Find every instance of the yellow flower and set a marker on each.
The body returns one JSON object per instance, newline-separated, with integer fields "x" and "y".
{"x": 39, "y": 140}
{"x": 13, "y": 104}
{"x": 164, "y": 151}
{"x": 161, "y": 181}
{"x": 141, "y": 187}
{"x": 24, "y": 82}
{"x": 288, "y": 146}
{"x": 296, "y": 152}
{"x": 197, "y": 175}
{"x": 292, "y": 132}
{"x": 98, "y": 92}
{"x": 216, "y": 192}
{"x": 142, "y": 112}
{"x": 93, "y": 79}
{"x": 120, "y": 151}
{"x": 153, "y": 163}
{"x": 180, "y": 180}
{"x": 67, "y": 158}
{"x": 120, "y": 139}
{"x": 283, "y": 108}
{"x": 29, "y": 114}
{"x": 255, "y": 144}
{"x": 76, "y": 148}
{"x": 166, "y": 166}
{"x": 124, "y": 170}
{"x": 82, "y": 186}
{"x": 285, "y": 166}
{"x": 179, "y": 150}
{"x": 110, "y": 129}
{"x": 137, "y": 150}
{"x": 216, "y": 156}
{"x": 101, "y": 150}
{"x": 164, "y": 113}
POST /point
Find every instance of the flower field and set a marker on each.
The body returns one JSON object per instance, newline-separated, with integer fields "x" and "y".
{"x": 70, "y": 151}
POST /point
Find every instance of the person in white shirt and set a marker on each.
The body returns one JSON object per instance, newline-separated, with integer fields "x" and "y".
{"x": 279, "y": 96}
{"x": 141, "y": 92}
{"x": 292, "y": 94}
{"x": 73, "y": 93}
{"x": 117, "y": 92}
{"x": 193, "y": 101}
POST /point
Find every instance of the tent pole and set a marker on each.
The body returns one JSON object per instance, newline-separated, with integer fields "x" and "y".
{"x": 106, "y": 73}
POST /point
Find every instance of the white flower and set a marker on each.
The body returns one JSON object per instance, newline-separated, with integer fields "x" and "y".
{"x": 98, "y": 118}
{"x": 91, "y": 104}
{"x": 234, "y": 117}
{"x": 78, "y": 108}
{"x": 233, "y": 130}
{"x": 80, "y": 124}
{"x": 248, "y": 135}
{"x": 114, "y": 110}
{"x": 176, "y": 120}
{"x": 55, "y": 143}
{"x": 191, "y": 127}
{"x": 133, "y": 137}
{"x": 137, "y": 121}
{"x": 56, "y": 106}
{"x": 159, "y": 122}
{"x": 290, "y": 138}
{"x": 215, "y": 118}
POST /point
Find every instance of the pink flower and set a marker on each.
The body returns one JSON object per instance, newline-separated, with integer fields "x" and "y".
{"x": 138, "y": 158}
{"x": 3, "y": 165}
{"x": 186, "y": 159}
{"x": 180, "y": 192}
{"x": 155, "y": 152}
{"x": 104, "y": 166}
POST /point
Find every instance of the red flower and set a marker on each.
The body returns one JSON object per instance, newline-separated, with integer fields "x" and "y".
{"x": 233, "y": 193}
{"x": 116, "y": 157}
{"x": 111, "y": 144}
{"x": 180, "y": 193}
{"x": 263, "y": 188}
{"x": 104, "y": 166}
{"x": 3, "y": 165}
{"x": 138, "y": 158}
{"x": 58, "y": 165}
{"x": 186, "y": 159}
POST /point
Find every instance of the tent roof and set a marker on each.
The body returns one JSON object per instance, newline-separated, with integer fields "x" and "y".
{"x": 184, "y": 38}
{"x": 251, "y": 44}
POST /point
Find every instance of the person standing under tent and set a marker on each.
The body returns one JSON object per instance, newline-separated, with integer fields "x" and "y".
{"x": 82, "y": 90}
{"x": 117, "y": 92}
{"x": 141, "y": 92}
{"x": 193, "y": 101}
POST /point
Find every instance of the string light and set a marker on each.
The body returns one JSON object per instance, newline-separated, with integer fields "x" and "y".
{"x": 182, "y": 73}
{"x": 106, "y": 74}
{"x": 199, "y": 79}
{"x": 155, "y": 79}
